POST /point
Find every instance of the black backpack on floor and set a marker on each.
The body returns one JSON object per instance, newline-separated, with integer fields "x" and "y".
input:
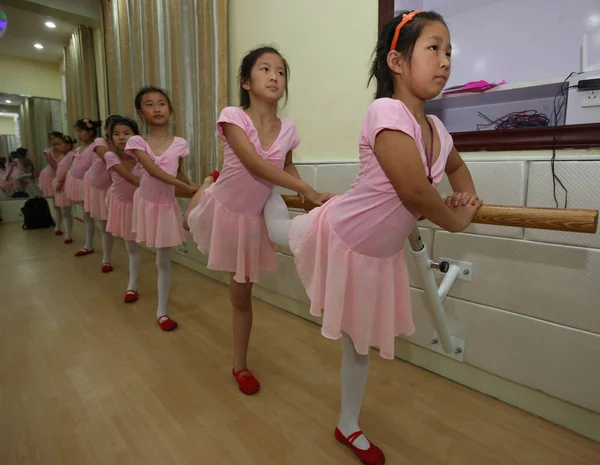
{"x": 36, "y": 214}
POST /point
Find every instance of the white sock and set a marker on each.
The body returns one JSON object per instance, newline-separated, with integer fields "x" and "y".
{"x": 134, "y": 264}
{"x": 107, "y": 242}
{"x": 163, "y": 265}
{"x": 277, "y": 219}
{"x": 89, "y": 231}
{"x": 59, "y": 217}
{"x": 354, "y": 373}
{"x": 67, "y": 214}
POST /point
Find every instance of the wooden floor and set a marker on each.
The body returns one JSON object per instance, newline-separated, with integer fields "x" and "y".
{"x": 86, "y": 379}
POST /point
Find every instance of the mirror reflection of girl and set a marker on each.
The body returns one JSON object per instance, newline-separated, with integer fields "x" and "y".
{"x": 96, "y": 182}
{"x": 124, "y": 172}
{"x": 4, "y": 181}
{"x": 87, "y": 131}
{"x": 156, "y": 213}
{"x": 47, "y": 175}
{"x": 349, "y": 253}
{"x": 23, "y": 171}
{"x": 64, "y": 146}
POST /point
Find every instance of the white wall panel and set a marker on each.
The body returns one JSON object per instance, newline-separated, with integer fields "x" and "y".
{"x": 336, "y": 178}
{"x": 546, "y": 281}
{"x": 582, "y": 179}
{"x": 559, "y": 361}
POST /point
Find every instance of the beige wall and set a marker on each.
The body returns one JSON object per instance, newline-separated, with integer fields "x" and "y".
{"x": 29, "y": 77}
{"x": 328, "y": 45}
{"x": 7, "y": 125}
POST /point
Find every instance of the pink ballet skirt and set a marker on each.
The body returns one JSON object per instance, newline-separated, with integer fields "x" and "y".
{"x": 249, "y": 252}
{"x": 95, "y": 201}
{"x": 74, "y": 188}
{"x": 157, "y": 224}
{"x": 367, "y": 298}
{"x": 46, "y": 176}
{"x": 120, "y": 217}
{"x": 45, "y": 179}
{"x": 61, "y": 199}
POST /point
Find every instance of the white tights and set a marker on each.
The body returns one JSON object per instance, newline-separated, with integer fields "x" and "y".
{"x": 107, "y": 242}
{"x": 134, "y": 264}
{"x": 277, "y": 218}
{"x": 89, "y": 231}
{"x": 163, "y": 265}
{"x": 355, "y": 367}
{"x": 59, "y": 216}
{"x": 67, "y": 216}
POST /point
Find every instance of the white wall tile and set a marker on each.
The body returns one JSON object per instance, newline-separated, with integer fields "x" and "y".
{"x": 582, "y": 179}
{"x": 554, "y": 359}
{"x": 546, "y": 281}
{"x": 336, "y": 178}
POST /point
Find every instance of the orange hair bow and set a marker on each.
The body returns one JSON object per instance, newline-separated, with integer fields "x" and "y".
{"x": 405, "y": 19}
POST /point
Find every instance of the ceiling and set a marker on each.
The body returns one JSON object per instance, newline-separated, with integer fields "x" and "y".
{"x": 15, "y": 100}
{"x": 26, "y": 26}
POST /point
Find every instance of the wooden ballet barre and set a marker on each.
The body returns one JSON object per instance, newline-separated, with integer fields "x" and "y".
{"x": 555, "y": 219}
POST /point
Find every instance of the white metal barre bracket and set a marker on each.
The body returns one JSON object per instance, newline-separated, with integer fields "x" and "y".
{"x": 442, "y": 340}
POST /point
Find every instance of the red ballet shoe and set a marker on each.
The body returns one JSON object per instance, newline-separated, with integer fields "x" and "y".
{"x": 68, "y": 240}
{"x": 247, "y": 383}
{"x": 215, "y": 175}
{"x": 166, "y": 324}
{"x": 83, "y": 252}
{"x": 131, "y": 296}
{"x": 106, "y": 268}
{"x": 58, "y": 233}
{"x": 371, "y": 456}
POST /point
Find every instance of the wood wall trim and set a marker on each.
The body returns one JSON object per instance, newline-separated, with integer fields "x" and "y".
{"x": 573, "y": 136}
{"x": 386, "y": 13}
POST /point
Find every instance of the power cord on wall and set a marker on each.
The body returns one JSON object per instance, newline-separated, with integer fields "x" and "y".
{"x": 555, "y": 178}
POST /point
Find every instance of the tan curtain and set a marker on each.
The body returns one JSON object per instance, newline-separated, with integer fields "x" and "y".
{"x": 80, "y": 77}
{"x": 178, "y": 45}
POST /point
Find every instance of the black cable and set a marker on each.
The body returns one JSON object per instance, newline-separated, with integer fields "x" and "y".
{"x": 555, "y": 178}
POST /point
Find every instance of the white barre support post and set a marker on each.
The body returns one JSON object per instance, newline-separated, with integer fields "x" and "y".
{"x": 434, "y": 295}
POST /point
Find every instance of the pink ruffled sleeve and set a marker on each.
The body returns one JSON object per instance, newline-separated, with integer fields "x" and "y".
{"x": 112, "y": 159}
{"x": 295, "y": 140}
{"x": 232, "y": 115}
{"x": 64, "y": 164}
{"x": 185, "y": 149}
{"x": 100, "y": 142}
{"x": 136, "y": 143}
{"x": 386, "y": 113}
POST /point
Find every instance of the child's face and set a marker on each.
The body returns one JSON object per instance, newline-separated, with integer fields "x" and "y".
{"x": 155, "y": 109}
{"x": 430, "y": 66}
{"x": 267, "y": 78}
{"x": 84, "y": 135}
{"x": 120, "y": 136}
{"x": 62, "y": 146}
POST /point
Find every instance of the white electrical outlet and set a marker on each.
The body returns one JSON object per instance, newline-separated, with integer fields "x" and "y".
{"x": 590, "y": 98}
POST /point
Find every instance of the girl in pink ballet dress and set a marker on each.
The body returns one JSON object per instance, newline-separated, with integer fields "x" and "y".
{"x": 349, "y": 253}
{"x": 64, "y": 146}
{"x": 47, "y": 175}
{"x": 87, "y": 130}
{"x": 226, "y": 217}
{"x": 124, "y": 172}
{"x": 96, "y": 182}
{"x": 156, "y": 213}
